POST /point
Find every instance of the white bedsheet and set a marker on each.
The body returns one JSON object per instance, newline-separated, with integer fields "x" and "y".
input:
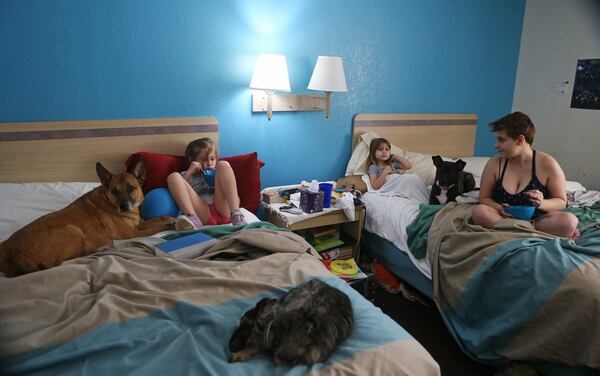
{"x": 392, "y": 208}
{"x": 20, "y": 204}
{"x": 396, "y": 204}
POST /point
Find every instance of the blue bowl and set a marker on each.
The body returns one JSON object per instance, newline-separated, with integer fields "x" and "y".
{"x": 209, "y": 176}
{"x": 521, "y": 212}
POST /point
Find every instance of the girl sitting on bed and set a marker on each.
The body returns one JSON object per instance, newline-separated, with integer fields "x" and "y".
{"x": 521, "y": 176}
{"x": 384, "y": 162}
{"x": 200, "y": 202}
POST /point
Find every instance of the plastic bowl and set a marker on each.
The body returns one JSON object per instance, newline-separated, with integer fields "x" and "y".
{"x": 521, "y": 212}
{"x": 209, "y": 176}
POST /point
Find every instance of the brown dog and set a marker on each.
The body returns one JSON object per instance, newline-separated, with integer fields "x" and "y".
{"x": 108, "y": 212}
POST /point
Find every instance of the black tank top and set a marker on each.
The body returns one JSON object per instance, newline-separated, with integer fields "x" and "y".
{"x": 500, "y": 195}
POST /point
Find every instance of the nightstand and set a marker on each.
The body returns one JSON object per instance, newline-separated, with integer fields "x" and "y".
{"x": 350, "y": 230}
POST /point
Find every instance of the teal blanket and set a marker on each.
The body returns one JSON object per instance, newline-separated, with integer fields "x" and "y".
{"x": 125, "y": 311}
{"x": 512, "y": 293}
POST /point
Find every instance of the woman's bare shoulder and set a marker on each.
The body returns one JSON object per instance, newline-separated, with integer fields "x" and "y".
{"x": 547, "y": 162}
{"x": 543, "y": 157}
{"x": 493, "y": 161}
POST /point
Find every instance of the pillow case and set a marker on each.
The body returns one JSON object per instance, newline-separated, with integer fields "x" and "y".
{"x": 246, "y": 168}
{"x": 158, "y": 167}
{"x": 475, "y": 166}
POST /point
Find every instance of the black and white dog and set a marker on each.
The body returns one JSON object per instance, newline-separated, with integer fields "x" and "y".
{"x": 303, "y": 327}
{"x": 450, "y": 181}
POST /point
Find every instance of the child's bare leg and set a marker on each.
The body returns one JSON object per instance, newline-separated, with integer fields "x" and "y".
{"x": 558, "y": 223}
{"x": 226, "y": 195}
{"x": 186, "y": 198}
{"x": 485, "y": 216}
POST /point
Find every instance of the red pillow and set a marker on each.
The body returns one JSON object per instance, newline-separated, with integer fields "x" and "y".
{"x": 246, "y": 168}
{"x": 158, "y": 167}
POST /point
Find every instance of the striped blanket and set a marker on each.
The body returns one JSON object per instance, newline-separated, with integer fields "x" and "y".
{"x": 124, "y": 310}
{"x": 513, "y": 293}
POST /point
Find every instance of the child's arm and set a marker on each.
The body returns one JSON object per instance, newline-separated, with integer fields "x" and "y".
{"x": 405, "y": 164}
{"x": 194, "y": 167}
{"x": 378, "y": 181}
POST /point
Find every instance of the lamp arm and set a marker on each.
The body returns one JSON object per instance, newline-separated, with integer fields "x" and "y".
{"x": 327, "y": 104}
{"x": 269, "y": 104}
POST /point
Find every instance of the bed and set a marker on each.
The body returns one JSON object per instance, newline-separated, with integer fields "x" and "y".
{"x": 123, "y": 310}
{"x": 503, "y": 297}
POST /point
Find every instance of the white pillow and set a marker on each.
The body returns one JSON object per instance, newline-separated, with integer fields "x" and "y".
{"x": 475, "y": 166}
{"x": 358, "y": 160}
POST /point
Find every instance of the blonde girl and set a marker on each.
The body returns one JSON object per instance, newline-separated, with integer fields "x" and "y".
{"x": 384, "y": 162}
{"x": 202, "y": 203}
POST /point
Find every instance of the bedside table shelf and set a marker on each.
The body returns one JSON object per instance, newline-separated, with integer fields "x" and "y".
{"x": 350, "y": 229}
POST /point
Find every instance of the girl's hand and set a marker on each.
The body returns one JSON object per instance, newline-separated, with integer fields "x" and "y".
{"x": 535, "y": 197}
{"x": 194, "y": 167}
{"x": 387, "y": 170}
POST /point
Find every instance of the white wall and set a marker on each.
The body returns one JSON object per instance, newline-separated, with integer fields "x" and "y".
{"x": 555, "y": 34}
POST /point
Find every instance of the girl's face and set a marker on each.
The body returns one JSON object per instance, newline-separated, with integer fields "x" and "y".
{"x": 207, "y": 158}
{"x": 507, "y": 147}
{"x": 382, "y": 153}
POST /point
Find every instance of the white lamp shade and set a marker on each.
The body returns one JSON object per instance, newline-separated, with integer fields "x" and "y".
{"x": 270, "y": 73}
{"x": 328, "y": 75}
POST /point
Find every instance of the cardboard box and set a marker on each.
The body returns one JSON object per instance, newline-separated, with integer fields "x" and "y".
{"x": 272, "y": 198}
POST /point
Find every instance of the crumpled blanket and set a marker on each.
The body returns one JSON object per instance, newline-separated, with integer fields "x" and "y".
{"x": 123, "y": 310}
{"x": 514, "y": 293}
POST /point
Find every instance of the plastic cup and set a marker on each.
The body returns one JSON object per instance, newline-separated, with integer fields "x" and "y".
{"x": 327, "y": 189}
{"x": 209, "y": 176}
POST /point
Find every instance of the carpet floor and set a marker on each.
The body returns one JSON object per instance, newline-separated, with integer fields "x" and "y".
{"x": 426, "y": 325}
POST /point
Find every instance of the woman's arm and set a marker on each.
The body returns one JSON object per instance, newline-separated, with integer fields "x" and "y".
{"x": 488, "y": 180}
{"x": 378, "y": 181}
{"x": 405, "y": 164}
{"x": 556, "y": 184}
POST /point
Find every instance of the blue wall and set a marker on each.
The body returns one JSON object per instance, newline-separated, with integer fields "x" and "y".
{"x": 85, "y": 59}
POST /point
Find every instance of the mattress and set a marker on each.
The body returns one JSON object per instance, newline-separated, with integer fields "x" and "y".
{"x": 20, "y": 204}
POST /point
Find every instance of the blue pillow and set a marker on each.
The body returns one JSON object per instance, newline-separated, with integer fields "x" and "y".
{"x": 159, "y": 202}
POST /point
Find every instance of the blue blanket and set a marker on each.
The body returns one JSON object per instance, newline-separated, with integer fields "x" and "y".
{"x": 513, "y": 293}
{"x": 125, "y": 311}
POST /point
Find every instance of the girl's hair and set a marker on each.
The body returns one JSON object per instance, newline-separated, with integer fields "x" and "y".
{"x": 375, "y": 144}
{"x": 195, "y": 147}
{"x": 515, "y": 124}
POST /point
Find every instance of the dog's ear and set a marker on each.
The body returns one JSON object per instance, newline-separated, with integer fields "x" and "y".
{"x": 138, "y": 169}
{"x": 103, "y": 174}
{"x": 264, "y": 308}
{"x": 437, "y": 160}
{"x": 460, "y": 164}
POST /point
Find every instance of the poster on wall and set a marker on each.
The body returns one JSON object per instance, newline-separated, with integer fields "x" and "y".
{"x": 586, "y": 90}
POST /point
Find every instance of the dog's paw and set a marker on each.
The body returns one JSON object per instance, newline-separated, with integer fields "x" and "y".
{"x": 242, "y": 355}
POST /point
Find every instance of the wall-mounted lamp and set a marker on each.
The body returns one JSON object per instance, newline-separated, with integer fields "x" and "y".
{"x": 270, "y": 75}
{"x": 328, "y": 76}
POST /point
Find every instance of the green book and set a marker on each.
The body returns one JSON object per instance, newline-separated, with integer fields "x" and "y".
{"x": 327, "y": 243}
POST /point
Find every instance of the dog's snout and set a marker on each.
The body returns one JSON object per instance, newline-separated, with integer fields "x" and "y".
{"x": 124, "y": 206}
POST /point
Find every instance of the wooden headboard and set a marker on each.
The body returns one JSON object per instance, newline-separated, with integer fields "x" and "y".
{"x": 450, "y": 135}
{"x": 68, "y": 150}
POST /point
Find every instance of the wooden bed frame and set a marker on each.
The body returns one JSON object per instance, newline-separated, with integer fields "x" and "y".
{"x": 450, "y": 135}
{"x": 68, "y": 150}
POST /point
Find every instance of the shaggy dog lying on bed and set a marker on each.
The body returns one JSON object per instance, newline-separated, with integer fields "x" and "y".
{"x": 303, "y": 327}
{"x": 95, "y": 219}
